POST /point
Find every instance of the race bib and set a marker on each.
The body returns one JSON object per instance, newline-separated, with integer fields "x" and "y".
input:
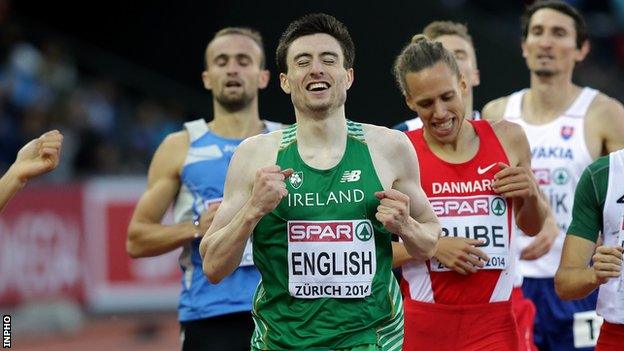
{"x": 586, "y": 328}
{"x": 483, "y": 217}
{"x": 331, "y": 258}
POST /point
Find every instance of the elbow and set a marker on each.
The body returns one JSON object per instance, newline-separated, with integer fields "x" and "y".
{"x": 132, "y": 249}
{"x": 560, "y": 287}
{"x": 133, "y": 246}
{"x": 530, "y": 228}
{"x": 212, "y": 274}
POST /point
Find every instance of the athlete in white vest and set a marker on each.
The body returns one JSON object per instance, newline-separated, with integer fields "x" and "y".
{"x": 567, "y": 127}
{"x": 598, "y": 214}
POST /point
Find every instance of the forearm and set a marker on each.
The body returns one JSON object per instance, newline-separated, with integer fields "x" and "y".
{"x": 221, "y": 251}
{"x": 420, "y": 239}
{"x": 400, "y": 256}
{"x": 531, "y": 215}
{"x": 153, "y": 239}
{"x": 575, "y": 283}
{"x": 9, "y": 185}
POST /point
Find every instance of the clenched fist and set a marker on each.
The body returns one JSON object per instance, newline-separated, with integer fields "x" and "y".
{"x": 393, "y": 210}
{"x": 39, "y": 156}
{"x": 269, "y": 188}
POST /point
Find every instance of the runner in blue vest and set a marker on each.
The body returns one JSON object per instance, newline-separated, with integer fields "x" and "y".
{"x": 188, "y": 169}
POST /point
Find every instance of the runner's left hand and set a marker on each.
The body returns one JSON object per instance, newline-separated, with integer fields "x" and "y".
{"x": 393, "y": 210}
{"x": 514, "y": 182}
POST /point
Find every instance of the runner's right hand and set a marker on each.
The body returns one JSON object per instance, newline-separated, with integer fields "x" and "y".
{"x": 269, "y": 188}
{"x": 460, "y": 254}
{"x": 207, "y": 216}
{"x": 607, "y": 263}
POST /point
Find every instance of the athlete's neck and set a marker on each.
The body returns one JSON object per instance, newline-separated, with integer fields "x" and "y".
{"x": 322, "y": 141}
{"x": 548, "y": 98}
{"x": 460, "y": 150}
{"x": 469, "y": 106}
{"x": 236, "y": 124}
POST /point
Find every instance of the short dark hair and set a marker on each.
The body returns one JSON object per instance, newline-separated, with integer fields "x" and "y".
{"x": 313, "y": 24}
{"x": 559, "y": 6}
{"x": 419, "y": 54}
{"x": 244, "y": 31}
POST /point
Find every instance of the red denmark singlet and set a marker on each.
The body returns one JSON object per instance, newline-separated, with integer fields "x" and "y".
{"x": 463, "y": 199}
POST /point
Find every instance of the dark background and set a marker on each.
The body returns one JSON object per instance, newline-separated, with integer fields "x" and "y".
{"x": 139, "y": 65}
{"x": 168, "y": 39}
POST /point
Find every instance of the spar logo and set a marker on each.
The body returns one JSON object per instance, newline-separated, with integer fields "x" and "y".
{"x": 461, "y": 206}
{"x": 364, "y": 231}
{"x": 329, "y": 231}
{"x": 499, "y": 206}
{"x": 561, "y": 176}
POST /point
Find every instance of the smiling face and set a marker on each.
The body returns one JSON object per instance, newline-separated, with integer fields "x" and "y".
{"x": 317, "y": 80}
{"x": 435, "y": 94}
{"x": 550, "y": 46}
{"x": 233, "y": 71}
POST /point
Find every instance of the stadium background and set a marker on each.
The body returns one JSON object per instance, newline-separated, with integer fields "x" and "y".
{"x": 116, "y": 77}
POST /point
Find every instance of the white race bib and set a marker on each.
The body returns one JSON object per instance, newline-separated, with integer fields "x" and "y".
{"x": 586, "y": 328}
{"x": 331, "y": 258}
{"x": 482, "y": 217}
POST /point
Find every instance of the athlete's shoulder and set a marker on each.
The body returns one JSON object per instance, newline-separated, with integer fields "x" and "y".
{"x": 262, "y": 142}
{"x": 495, "y": 109}
{"x": 389, "y": 142}
{"x": 599, "y": 166}
{"x": 507, "y": 130}
{"x": 604, "y": 106}
{"x": 379, "y": 134}
{"x": 176, "y": 142}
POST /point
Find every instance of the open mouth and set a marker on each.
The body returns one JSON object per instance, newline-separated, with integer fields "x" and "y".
{"x": 545, "y": 57}
{"x": 444, "y": 126}
{"x": 233, "y": 84}
{"x": 317, "y": 86}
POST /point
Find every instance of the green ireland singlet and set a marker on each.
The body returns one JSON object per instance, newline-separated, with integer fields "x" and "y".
{"x": 325, "y": 260}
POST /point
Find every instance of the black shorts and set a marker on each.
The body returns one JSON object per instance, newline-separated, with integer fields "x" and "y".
{"x": 229, "y": 332}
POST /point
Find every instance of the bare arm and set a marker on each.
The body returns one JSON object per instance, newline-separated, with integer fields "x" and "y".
{"x": 405, "y": 209}
{"x": 400, "y": 256}
{"x": 543, "y": 240}
{"x": 517, "y": 181}
{"x": 574, "y": 278}
{"x": 249, "y": 195}
{"x": 37, "y": 157}
{"x": 611, "y": 121}
{"x": 146, "y": 236}
{"x": 493, "y": 111}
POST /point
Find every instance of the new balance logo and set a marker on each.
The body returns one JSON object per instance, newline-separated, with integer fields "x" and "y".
{"x": 351, "y": 176}
{"x": 620, "y": 200}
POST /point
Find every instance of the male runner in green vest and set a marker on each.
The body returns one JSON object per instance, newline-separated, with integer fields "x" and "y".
{"x": 321, "y": 199}
{"x": 597, "y": 234}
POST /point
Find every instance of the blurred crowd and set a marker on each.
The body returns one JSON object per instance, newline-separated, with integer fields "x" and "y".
{"x": 112, "y": 128}
{"x": 108, "y": 128}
